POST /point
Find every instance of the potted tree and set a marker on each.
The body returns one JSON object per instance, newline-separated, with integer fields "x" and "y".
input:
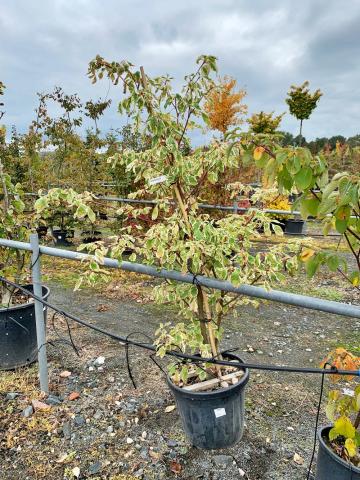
{"x": 336, "y": 203}
{"x": 18, "y": 344}
{"x": 210, "y": 399}
{"x": 63, "y": 210}
{"x": 339, "y": 443}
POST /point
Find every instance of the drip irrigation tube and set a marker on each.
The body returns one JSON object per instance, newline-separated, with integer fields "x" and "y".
{"x": 254, "y": 366}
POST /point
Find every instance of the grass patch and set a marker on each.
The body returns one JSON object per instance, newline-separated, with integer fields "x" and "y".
{"x": 22, "y": 380}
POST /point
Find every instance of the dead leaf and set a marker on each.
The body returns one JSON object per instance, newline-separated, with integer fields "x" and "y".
{"x": 175, "y": 467}
{"x": 37, "y": 405}
{"x": 170, "y": 408}
{"x": 74, "y": 395}
{"x": 76, "y": 472}
{"x": 65, "y": 374}
{"x": 298, "y": 459}
{"x": 103, "y": 307}
{"x": 66, "y": 457}
{"x": 154, "y": 455}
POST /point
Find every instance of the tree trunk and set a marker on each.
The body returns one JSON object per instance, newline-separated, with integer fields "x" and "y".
{"x": 300, "y": 134}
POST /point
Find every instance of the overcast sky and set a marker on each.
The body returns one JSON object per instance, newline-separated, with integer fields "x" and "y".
{"x": 266, "y": 45}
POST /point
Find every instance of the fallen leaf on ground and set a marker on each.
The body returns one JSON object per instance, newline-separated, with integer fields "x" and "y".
{"x": 170, "y": 408}
{"x": 102, "y": 307}
{"x": 175, "y": 467}
{"x": 76, "y": 472}
{"x": 37, "y": 405}
{"x": 74, "y": 395}
{"x": 298, "y": 459}
{"x": 154, "y": 455}
{"x": 66, "y": 457}
{"x": 65, "y": 374}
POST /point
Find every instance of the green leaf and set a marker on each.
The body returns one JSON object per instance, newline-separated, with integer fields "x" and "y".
{"x": 308, "y": 207}
{"x": 303, "y": 178}
{"x": 312, "y": 266}
{"x": 333, "y": 263}
{"x": 341, "y": 225}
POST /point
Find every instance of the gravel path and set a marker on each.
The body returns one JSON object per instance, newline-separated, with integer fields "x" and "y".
{"x": 121, "y": 433}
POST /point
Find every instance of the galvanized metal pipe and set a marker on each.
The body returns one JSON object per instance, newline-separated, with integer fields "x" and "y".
{"x": 247, "y": 290}
{"x": 39, "y": 313}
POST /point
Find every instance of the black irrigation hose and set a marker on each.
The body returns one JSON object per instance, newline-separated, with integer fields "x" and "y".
{"x": 253, "y": 366}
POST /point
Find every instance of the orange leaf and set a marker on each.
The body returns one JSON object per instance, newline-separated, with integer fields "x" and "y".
{"x": 175, "y": 467}
{"x": 258, "y": 152}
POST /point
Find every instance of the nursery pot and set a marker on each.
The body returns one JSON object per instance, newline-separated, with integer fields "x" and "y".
{"x": 331, "y": 466}
{"x": 213, "y": 419}
{"x": 89, "y": 237}
{"x": 18, "y": 342}
{"x": 42, "y": 230}
{"x": 61, "y": 236}
{"x": 279, "y": 223}
{"x": 294, "y": 226}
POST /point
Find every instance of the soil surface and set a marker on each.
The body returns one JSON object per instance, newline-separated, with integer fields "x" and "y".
{"x": 99, "y": 426}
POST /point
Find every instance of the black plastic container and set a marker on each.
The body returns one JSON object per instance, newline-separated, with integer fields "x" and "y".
{"x": 278, "y": 223}
{"x": 329, "y": 465}
{"x": 61, "y": 237}
{"x": 215, "y": 419}
{"x": 90, "y": 237}
{"x": 18, "y": 342}
{"x": 42, "y": 231}
{"x": 295, "y": 227}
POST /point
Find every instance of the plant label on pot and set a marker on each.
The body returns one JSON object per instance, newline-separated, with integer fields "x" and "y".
{"x": 219, "y": 412}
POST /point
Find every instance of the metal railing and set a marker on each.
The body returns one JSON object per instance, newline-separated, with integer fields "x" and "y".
{"x": 246, "y": 290}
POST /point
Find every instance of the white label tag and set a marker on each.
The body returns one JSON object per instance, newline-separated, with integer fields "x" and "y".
{"x": 348, "y": 392}
{"x": 219, "y": 412}
{"x": 155, "y": 180}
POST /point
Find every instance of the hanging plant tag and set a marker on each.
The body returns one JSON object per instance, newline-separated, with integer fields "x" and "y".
{"x": 219, "y": 412}
{"x": 155, "y": 180}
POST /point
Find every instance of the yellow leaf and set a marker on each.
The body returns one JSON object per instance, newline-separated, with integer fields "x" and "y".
{"x": 342, "y": 427}
{"x": 356, "y": 281}
{"x": 258, "y": 152}
{"x": 306, "y": 254}
{"x": 350, "y": 446}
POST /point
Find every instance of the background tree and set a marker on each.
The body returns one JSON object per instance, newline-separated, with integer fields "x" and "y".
{"x": 301, "y": 102}
{"x": 224, "y": 106}
{"x": 95, "y": 110}
{"x": 264, "y": 122}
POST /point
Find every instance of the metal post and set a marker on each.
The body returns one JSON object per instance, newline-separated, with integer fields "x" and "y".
{"x": 235, "y": 205}
{"x": 39, "y": 313}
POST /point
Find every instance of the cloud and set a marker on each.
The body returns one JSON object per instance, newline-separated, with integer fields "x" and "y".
{"x": 265, "y": 45}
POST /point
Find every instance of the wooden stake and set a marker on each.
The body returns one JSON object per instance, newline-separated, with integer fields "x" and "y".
{"x": 209, "y": 384}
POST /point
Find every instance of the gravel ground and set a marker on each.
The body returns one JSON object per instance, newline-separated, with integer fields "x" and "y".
{"x": 113, "y": 431}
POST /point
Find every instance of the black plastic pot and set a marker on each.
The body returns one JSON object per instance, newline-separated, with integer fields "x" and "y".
{"x": 60, "y": 237}
{"x": 279, "y": 223}
{"x": 294, "y": 226}
{"x": 18, "y": 343}
{"x": 215, "y": 419}
{"x": 42, "y": 231}
{"x": 331, "y": 466}
{"x": 89, "y": 237}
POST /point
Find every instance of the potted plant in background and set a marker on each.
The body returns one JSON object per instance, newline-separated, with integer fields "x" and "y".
{"x": 18, "y": 344}
{"x": 339, "y": 443}
{"x": 186, "y": 239}
{"x": 62, "y": 210}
